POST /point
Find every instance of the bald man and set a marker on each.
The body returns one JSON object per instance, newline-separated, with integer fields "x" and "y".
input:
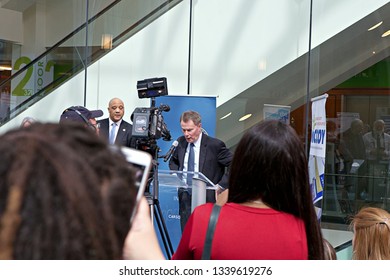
{"x": 377, "y": 142}
{"x": 114, "y": 129}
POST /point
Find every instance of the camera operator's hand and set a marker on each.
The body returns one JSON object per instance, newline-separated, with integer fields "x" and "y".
{"x": 141, "y": 242}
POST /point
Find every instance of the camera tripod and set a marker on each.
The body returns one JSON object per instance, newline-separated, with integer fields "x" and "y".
{"x": 155, "y": 209}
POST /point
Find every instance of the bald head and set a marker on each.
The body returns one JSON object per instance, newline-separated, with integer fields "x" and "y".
{"x": 116, "y": 109}
{"x": 357, "y": 126}
{"x": 379, "y": 126}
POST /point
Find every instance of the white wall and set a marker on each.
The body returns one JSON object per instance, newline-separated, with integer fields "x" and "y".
{"x": 11, "y": 26}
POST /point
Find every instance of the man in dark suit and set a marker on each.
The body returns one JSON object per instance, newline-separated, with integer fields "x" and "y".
{"x": 115, "y": 129}
{"x": 211, "y": 158}
{"x": 352, "y": 147}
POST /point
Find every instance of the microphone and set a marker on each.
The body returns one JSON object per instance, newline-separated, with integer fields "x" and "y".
{"x": 171, "y": 150}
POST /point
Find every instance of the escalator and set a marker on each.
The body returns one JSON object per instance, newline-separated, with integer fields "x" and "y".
{"x": 34, "y": 79}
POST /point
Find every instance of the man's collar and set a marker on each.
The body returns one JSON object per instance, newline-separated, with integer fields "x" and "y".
{"x": 198, "y": 141}
{"x": 110, "y": 122}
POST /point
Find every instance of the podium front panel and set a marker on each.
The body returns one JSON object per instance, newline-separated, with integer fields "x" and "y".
{"x": 169, "y": 183}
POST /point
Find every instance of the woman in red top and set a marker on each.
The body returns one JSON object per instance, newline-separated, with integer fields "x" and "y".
{"x": 269, "y": 213}
{"x": 245, "y": 231}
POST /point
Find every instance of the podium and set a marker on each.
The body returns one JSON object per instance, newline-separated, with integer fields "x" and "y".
{"x": 178, "y": 179}
{"x": 165, "y": 189}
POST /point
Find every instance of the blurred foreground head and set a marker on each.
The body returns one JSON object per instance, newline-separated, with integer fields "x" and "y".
{"x": 63, "y": 194}
{"x": 371, "y": 240}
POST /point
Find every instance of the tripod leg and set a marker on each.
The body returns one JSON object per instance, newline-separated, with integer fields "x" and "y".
{"x": 153, "y": 201}
{"x": 152, "y": 213}
{"x": 157, "y": 218}
{"x": 163, "y": 229}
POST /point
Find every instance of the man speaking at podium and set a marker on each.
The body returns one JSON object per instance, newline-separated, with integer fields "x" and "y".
{"x": 199, "y": 152}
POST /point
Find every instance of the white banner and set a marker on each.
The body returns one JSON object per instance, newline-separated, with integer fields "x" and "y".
{"x": 318, "y": 126}
{"x": 317, "y": 151}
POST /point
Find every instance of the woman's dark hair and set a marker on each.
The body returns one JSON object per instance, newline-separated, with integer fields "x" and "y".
{"x": 63, "y": 194}
{"x": 270, "y": 164}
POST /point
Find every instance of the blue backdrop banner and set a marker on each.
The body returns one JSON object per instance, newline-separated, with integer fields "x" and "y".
{"x": 168, "y": 200}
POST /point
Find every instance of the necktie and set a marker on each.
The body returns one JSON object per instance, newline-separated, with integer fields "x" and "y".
{"x": 190, "y": 164}
{"x": 378, "y": 141}
{"x": 112, "y": 133}
{"x": 378, "y": 147}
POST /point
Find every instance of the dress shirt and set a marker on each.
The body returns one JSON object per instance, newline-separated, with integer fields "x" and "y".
{"x": 196, "y": 152}
{"x": 118, "y": 124}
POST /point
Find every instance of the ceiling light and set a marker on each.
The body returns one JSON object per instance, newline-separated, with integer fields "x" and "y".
{"x": 387, "y": 33}
{"x": 106, "y": 42}
{"x": 247, "y": 116}
{"x": 5, "y": 68}
{"x": 262, "y": 65}
{"x": 227, "y": 115}
{"x": 375, "y": 26}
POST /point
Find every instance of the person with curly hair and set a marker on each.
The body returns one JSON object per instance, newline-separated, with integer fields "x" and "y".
{"x": 64, "y": 194}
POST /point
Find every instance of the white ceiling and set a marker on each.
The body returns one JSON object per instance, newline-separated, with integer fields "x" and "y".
{"x": 18, "y": 5}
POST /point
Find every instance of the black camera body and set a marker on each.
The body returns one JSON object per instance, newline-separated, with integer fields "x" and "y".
{"x": 149, "y": 123}
{"x": 153, "y": 87}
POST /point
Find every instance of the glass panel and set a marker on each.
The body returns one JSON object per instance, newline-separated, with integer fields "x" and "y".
{"x": 36, "y": 75}
{"x": 8, "y": 49}
{"x": 353, "y": 68}
{"x": 160, "y": 49}
{"x": 250, "y": 54}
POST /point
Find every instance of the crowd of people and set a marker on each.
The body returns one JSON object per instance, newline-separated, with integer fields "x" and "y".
{"x": 358, "y": 143}
{"x": 360, "y": 152}
{"x": 65, "y": 194}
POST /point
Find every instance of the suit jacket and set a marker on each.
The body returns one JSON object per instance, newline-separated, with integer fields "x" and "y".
{"x": 352, "y": 146}
{"x": 123, "y": 137}
{"x": 214, "y": 158}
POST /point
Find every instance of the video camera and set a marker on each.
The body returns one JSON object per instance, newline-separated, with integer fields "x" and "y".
{"x": 150, "y": 88}
{"x": 148, "y": 123}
